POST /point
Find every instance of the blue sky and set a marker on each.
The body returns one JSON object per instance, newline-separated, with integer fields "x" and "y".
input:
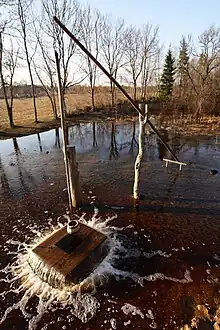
{"x": 174, "y": 17}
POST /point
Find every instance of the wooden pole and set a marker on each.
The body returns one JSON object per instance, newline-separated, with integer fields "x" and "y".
{"x": 64, "y": 130}
{"x": 133, "y": 103}
{"x": 137, "y": 166}
{"x": 74, "y": 177}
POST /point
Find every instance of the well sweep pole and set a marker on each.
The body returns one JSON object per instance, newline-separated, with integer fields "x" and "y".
{"x": 85, "y": 50}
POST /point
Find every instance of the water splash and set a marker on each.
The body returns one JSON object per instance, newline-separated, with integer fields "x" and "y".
{"x": 20, "y": 278}
{"x": 21, "y": 281}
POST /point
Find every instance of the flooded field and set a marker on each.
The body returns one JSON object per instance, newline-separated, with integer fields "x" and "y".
{"x": 163, "y": 264}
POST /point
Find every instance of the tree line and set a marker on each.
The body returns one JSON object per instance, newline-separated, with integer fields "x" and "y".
{"x": 133, "y": 55}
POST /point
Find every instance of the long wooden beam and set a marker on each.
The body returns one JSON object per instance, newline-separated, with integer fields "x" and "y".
{"x": 85, "y": 50}
{"x": 64, "y": 131}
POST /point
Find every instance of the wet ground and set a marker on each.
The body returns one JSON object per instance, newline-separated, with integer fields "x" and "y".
{"x": 179, "y": 216}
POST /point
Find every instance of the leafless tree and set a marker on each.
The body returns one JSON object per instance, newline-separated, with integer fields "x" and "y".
{"x": 8, "y": 64}
{"x": 112, "y": 48}
{"x": 150, "y": 51}
{"x": 91, "y": 25}
{"x": 45, "y": 72}
{"x": 24, "y": 13}
{"x": 204, "y": 64}
{"x": 6, "y": 2}
{"x": 132, "y": 53}
{"x": 69, "y": 14}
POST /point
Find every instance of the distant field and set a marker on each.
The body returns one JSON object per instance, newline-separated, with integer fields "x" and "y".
{"x": 24, "y": 113}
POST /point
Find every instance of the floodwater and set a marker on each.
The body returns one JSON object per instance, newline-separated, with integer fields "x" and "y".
{"x": 172, "y": 258}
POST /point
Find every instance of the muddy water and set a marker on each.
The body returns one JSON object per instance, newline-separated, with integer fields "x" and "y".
{"x": 175, "y": 233}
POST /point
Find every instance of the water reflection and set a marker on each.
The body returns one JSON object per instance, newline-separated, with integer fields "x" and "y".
{"x": 162, "y": 151}
{"x": 95, "y": 143}
{"x": 26, "y": 162}
{"x": 19, "y": 162}
{"x": 113, "y": 152}
{"x": 134, "y": 143}
{"x": 57, "y": 138}
{"x": 16, "y": 147}
{"x": 39, "y": 140}
{"x": 5, "y": 187}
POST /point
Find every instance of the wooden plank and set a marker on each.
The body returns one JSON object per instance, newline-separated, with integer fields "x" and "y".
{"x": 49, "y": 255}
{"x": 175, "y": 162}
{"x": 53, "y": 238}
{"x": 72, "y": 255}
{"x": 81, "y": 252}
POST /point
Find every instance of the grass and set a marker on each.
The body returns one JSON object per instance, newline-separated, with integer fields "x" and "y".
{"x": 79, "y": 107}
{"x": 23, "y": 112}
{"x": 205, "y": 125}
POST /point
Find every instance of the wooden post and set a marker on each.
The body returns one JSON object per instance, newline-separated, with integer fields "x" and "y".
{"x": 64, "y": 131}
{"x": 74, "y": 177}
{"x": 137, "y": 166}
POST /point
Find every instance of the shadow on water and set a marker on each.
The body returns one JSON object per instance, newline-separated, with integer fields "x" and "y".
{"x": 162, "y": 151}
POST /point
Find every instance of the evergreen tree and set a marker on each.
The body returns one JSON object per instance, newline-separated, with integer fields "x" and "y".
{"x": 167, "y": 79}
{"x": 183, "y": 63}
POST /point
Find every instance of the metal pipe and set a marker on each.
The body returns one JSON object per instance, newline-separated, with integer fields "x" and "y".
{"x": 85, "y": 50}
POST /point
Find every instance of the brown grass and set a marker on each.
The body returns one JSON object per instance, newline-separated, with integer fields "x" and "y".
{"x": 205, "y": 125}
{"x": 80, "y": 103}
{"x": 76, "y": 103}
{"x": 23, "y": 112}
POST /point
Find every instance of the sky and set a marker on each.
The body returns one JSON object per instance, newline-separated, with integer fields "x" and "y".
{"x": 174, "y": 17}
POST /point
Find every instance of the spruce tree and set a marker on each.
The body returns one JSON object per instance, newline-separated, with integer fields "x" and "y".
{"x": 167, "y": 79}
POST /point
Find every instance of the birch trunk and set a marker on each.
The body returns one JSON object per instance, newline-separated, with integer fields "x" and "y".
{"x": 137, "y": 166}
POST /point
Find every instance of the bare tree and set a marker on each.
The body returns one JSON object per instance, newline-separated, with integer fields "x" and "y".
{"x": 91, "y": 36}
{"x": 45, "y": 72}
{"x": 204, "y": 64}
{"x": 69, "y": 14}
{"x": 6, "y": 2}
{"x": 23, "y": 11}
{"x": 132, "y": 53}
{"x": 8, "y": 63}
{"x": 112, "y": 48}
{"x": 150, "y": 51}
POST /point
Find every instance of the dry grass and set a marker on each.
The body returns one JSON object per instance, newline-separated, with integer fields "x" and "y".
{"x": 24, "y": 113}
{"x": 81, "y": 103}
{"x": 205, "y": 125}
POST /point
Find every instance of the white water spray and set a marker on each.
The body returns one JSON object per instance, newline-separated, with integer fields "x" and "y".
{"x": 21, "y": 281}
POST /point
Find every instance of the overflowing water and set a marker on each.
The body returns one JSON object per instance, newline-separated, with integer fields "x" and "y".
{"x": 80, "y": 299}
{"x": 176, "y": 252}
